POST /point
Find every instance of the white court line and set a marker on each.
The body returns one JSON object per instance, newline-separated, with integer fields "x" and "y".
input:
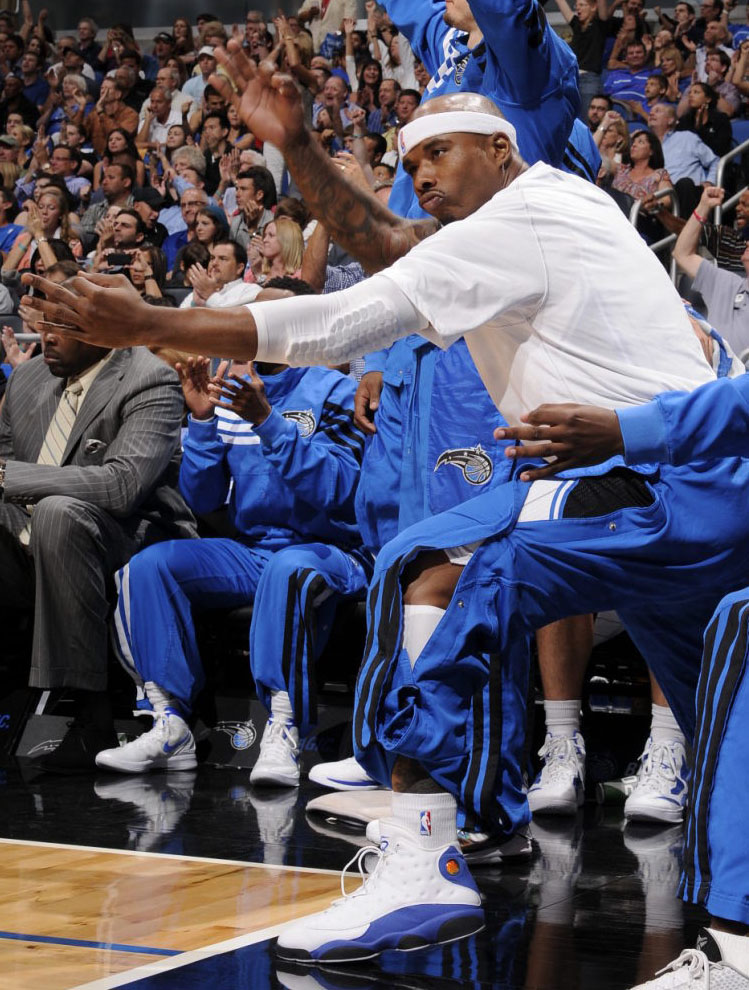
{"x": 193, "y": 955}
{"x": 184, "y": 959}
{"x": 156, "y": 855}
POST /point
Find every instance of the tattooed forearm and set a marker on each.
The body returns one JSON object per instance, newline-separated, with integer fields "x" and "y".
{"x": 354, "y": 217}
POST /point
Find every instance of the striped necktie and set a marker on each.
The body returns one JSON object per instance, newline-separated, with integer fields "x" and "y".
{"x": 56, "y": 438}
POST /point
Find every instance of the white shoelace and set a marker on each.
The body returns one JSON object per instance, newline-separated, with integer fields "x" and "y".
{"x": 366, "y": 876}
{"x": 698, "y": 963}
{"x": 658, "y": 769}
{"x": 560, "y": 756}
{"x": 278, "y": 733}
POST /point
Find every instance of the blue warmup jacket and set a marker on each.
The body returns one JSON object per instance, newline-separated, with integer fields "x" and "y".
{"x": 521, "y": 64}
{"x": 291, "y": 479}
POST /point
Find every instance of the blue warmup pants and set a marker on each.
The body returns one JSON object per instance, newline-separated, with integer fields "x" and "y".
{"x": 716, "y": 852}
{"x": 657, "y": 564}
{"x": 295, "y": 605}
{"x": 159, "y": 587}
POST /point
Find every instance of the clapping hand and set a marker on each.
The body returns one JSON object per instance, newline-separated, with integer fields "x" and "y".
{"x": 245, "y": 398}
{"x": 14, "y": 353}
{"x": 195, "y": 376}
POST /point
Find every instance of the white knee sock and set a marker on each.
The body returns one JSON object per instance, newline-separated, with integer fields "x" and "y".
{"x": 430, "y": 818}
{"x": 734, "y": 949}
{"x": 663, "y": 726}
{"x": 562, "y": 717}
{"x": 280, "y": 707}
{"x": 419, "y": 622}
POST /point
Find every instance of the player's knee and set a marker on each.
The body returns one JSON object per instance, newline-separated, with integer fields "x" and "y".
{"x": 430, "y": 579}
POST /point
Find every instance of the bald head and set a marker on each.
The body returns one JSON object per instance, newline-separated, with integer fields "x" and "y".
{"x": 459, "y": 101}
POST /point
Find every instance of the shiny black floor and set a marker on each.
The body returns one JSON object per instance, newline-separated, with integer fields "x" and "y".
{"x": 595, "y": 908}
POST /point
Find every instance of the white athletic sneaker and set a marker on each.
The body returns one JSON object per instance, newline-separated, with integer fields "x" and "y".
{"x": 168, "y": 746}
{"x": 480, "y": 848}
{"x": 559, "y": 789}
{"x": 661, "y": 789}
{"x": 658, "y": 852}
{"x": 345, "y": 775}
{"x": 698, "y": 969}
{"x": 278, "y": 762}
{"x": 413, "y": 898}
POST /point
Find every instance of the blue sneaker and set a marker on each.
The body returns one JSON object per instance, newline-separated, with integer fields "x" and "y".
{"x": 660, "y": 793}
{"x": 413, "y": 898}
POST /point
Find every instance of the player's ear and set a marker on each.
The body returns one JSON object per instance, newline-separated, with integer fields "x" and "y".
{"x": 500, "y": 149}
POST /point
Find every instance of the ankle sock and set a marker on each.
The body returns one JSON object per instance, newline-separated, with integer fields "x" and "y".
{"x": 562, "y": 717}
{"x": 162, "y": 702}
{"x": 663, "y": 725}
{"x": 419, "y": 622}
{"x": 429, "y": 818}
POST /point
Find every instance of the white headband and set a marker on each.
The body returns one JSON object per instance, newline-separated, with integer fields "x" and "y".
{"x": 452, "y": 122}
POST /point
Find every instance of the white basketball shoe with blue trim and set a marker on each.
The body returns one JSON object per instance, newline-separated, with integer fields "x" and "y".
{"x": 413, "y": 898}
{"x": 168, "y": 746}
{"x": 660, "y": 793}
{"x": 559, "y": 789}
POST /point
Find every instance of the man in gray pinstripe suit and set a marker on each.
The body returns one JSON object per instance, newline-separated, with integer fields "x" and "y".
{"x": 79, "y": 498}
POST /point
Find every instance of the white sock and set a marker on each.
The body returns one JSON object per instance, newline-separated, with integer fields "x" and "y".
{"x": 734, "y": 949}
{"x": 161, "y": 701}
{"x": 280, "y": 707}
{"x": 664, "y": 727}
{"x": 562, "y": 717}
{"x": 419, "y": 622}
{"x": 430, "y": 818}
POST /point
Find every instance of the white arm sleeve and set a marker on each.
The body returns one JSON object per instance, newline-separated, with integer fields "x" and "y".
{"x": 337, "y": 327}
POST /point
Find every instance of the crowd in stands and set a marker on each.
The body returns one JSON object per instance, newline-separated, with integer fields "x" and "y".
{"x": 118, "y": 160}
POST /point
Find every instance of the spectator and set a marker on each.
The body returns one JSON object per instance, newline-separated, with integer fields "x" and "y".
{"x": 221, "y": 285}
{"x": 629, "y": 83}
{"x": 9, "y": 231}
{"x": 195, "y": 86}
{"x": 323, "y": 18}
{"x": 385, "y": 117}
{"x": 147, "y": 270}
{"x": 210, "y": 225}
{"x": 125, "y": 235}
{"x": 256, "y": 196}
{"x": 184, "y": 41}
{"x": 13, "y": 101}
{"x": 598, "y": 107}
{"x": 47, "y": 219}
{"x": 589, "y": 35}
{"x": 147, "y": 203}
{"x": 157, "y": 116}
{"x": 688, "y": 159}
{"x": 672, "y": 67}
{"x": 117, "y": 185}
{"x": 87, "y": 31}
{"x": 214, "y": 144}
{"x": 717, "y": 38}
{"x": 612, "y": 139}
{"x": 110, "y": 113}
{"x": 698, "y": 113}
{"x": 190, "y": 203}
{"x": 120, "y": 149}
{"x": 282, "y": 248}
{"x": 726, "y": 293}
{"x": 35, "y": 86}
{"x": 680, "y": 24}
{"x": 642, "y": 176}
{"x": 717, "y": 74}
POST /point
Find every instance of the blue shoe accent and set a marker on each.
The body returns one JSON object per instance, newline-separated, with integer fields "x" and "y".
{"x": 407, "y": 928}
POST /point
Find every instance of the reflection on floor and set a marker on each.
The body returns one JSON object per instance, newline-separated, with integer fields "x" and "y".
{"x": 595, "y": 908}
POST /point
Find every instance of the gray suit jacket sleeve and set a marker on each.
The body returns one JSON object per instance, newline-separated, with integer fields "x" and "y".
{"x": 135, "y": 435}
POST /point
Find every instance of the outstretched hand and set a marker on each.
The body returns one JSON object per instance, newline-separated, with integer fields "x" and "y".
{"x": 106, "y": 310}
{"x": 575, "y": 436}
{"x": 266, "y": 100}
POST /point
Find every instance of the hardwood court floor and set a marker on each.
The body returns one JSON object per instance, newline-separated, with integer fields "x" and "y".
{"x": 182, "y": 881}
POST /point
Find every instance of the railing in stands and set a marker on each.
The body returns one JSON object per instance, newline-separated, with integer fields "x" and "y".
{"x": 733, "y": 153}
{"x": 664, "y": 242}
